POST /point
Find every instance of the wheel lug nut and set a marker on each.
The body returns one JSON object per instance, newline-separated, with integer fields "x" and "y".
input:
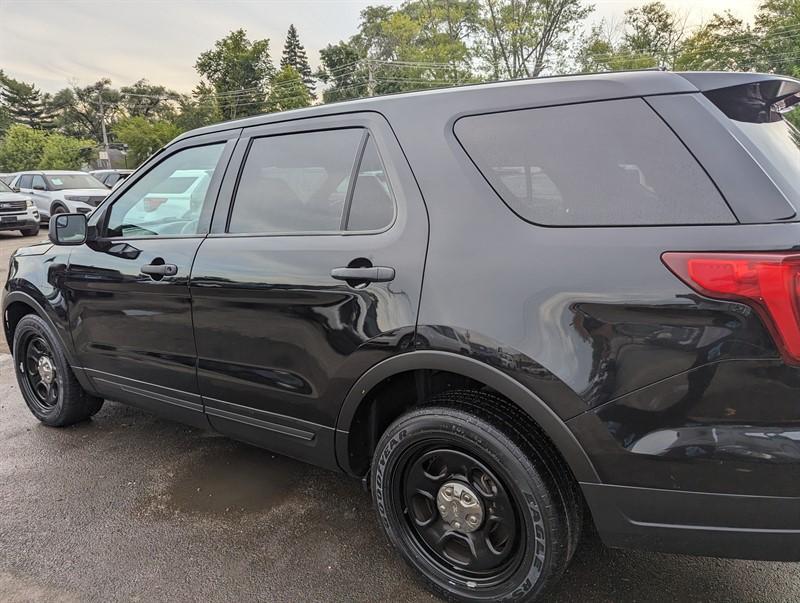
{"x": 457, "y": 525}
{"x": 472, "y": 519}
{"x": 442, "y": 508}
{"x": 448, "y": 491}
{"x": 467, "y": 498}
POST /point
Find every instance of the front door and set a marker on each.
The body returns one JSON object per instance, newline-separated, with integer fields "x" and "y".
{"x": 129, "y": 303}
{"x": 312, "y": 276}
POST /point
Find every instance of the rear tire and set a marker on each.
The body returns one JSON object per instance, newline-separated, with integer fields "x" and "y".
{"x": 45, "y": 379}
{"x": 526, "y": 524}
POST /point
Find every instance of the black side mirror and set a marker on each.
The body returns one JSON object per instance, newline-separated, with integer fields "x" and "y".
{"x": 68, "y": 229}
{"x": 38, "y": 187}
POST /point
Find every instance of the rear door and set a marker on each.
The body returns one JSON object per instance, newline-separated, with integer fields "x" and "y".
{"x": 312, "y": 273}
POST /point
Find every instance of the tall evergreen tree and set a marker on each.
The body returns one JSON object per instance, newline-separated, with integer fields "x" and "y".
{"x": 294, "y": 55}
{"x": 24, "y": 104}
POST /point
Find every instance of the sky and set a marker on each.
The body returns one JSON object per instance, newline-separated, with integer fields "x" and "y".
{"x": 57, "y": 43}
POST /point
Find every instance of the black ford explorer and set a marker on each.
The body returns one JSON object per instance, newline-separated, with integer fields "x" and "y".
{"x": 507, "y": 307}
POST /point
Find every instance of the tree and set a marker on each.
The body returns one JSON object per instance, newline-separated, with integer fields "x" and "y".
{"x": 522, "y": 38}
{"x": 777, "y": 24}
{"x": 24, "y": 103}
{"x": 239, "y": 71}
{"x": 149, "y": 100}
{"x": 723, "y": 43}
{"x": 65, "y": 153}
{"x": 288, "y": 91}
{"x": 294, "y": 55}
{"x": 198, "y": 110}
{"x": 77, "y": 109}
{"x": 21, "y": 148}
{"x": 343, "y": 69}
{"x": 144, "y": 136}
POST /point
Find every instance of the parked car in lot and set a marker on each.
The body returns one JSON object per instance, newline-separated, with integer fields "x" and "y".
{"x": 502, "y": 306}
{"x": 59, "y": 192}
{"x": 17, "y": 212}
{"x": 6, "y": 178}
{"x": 111, "y": 177}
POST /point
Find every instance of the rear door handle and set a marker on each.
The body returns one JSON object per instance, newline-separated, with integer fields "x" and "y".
{"x": 372, "y": 274}
{"x": 160, "y": 269}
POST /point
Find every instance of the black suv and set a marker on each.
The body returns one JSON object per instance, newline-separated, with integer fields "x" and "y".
{"x": 503, "y": 306}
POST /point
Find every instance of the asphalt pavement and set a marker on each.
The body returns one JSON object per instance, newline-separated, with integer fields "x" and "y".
{"x": 130, "y": 507}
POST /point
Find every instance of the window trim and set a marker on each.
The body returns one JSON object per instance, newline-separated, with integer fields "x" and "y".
{"x": 228, "y": 142}
{"x": 656, "y": 114}
{"x": 360, "y": 149}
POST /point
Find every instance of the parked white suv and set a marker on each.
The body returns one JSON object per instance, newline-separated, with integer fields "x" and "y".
{"x": 17, "y": 212}
{"x": 55, "y": 192}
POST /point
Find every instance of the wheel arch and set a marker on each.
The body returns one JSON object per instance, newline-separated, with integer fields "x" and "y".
{"x": 535, "y": 408}
{"x": 18, "y": 304}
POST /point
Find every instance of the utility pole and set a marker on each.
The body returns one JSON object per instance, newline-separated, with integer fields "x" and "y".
{"x": 106, "y": 159}
{"x": 370, "y": 78}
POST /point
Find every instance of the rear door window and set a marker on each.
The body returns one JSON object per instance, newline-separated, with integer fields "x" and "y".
{"x": 611, "y": 163}
{"x": 25, "y": 181}
{"x": 326, "y": 181}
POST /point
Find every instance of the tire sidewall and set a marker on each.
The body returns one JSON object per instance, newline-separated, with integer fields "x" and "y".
{"x": 518, "y": 475}
{"x": 31, "y": 326}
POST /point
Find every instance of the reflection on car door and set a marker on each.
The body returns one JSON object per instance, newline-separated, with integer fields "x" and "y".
{"x": 312, "y": 277}
{"x": 130, "y": 310}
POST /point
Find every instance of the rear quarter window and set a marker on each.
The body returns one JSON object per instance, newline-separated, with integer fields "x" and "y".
{"x": 611, "y": 163}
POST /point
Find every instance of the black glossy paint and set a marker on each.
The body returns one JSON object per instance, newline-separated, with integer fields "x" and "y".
{"x": 643, "y": 385}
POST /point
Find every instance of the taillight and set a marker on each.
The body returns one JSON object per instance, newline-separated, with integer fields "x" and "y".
{"x": 769, "y": 282}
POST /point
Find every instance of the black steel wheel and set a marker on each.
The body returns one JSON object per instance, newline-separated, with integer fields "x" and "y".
{"x": 45, "y": 378}
{"x": 40, "y": 373}
{"x": 483, "y": 510}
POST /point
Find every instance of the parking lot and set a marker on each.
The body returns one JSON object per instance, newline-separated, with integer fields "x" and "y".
{"x": 129, "y": 507}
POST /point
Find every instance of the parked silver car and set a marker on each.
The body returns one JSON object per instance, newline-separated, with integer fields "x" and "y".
{"x": 17, "y": 212}
{"x": 55, "y": 192}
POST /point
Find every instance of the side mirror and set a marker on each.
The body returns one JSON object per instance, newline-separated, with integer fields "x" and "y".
{"x": 14, "y": 189}
{"x": 38, "y": 187}
{"x": 68, "y": 229}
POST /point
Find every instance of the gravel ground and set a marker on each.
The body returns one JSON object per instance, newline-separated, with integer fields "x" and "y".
{"x": 130, "y": 507}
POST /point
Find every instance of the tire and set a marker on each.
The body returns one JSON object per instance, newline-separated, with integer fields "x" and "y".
{"x": 529, "y": 513}
{"x": 45, "y": 379}
{"x": 58, "y": 209}
{"x": 30, "y": 232}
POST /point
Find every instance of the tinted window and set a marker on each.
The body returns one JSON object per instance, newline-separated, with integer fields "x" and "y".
{"x": 153, "y": 206}
{"x": 38, "y": 183}
{"x": 295, "y": 182}
{"x": 25, "y": 181}
{"x": 594, "y": 164}
{"x": 60, "y": 182}
{"x": 372, "y": 207}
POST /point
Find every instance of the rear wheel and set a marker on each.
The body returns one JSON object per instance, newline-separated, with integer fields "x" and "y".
{"x": 476, "y": 502}
{"x": 45, "y": 378}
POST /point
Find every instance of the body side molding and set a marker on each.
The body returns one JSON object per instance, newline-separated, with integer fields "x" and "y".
{"x": 553, "y": 426}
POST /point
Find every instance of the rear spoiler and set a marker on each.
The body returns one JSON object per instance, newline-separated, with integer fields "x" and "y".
{"x": 748, "y": 97}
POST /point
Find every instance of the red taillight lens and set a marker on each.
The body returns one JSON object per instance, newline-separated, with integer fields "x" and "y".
{"x": 769, "y": 282}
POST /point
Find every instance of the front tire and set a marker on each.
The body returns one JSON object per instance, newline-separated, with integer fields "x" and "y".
{"x": 475, "y": 499}
{"x": 30, "y": 232}
{"x": 46, "y": 380}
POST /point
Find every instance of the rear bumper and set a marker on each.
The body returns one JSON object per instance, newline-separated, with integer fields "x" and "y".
{"x": 696, "y": 523}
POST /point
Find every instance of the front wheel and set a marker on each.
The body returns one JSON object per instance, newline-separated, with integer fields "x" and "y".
{"x": 475, "y": 502}
{"x": 46, "y": 381}
{"x": 30, "y": 232}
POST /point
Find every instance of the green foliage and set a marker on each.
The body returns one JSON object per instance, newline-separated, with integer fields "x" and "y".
{"x": 65, "y": 153}
{"x": 21, "y": 148}
{"x": 239, "y": 71}
{"x": 724, "y": 43}
{"x": 24, "y": 104}
{"x": 78, "y": 109}
{"x": 777, "y": 24}
{"x": 522, "y": 38}
{"x": 144, "y": 99}
{"x": 288, "y": 91}
{"x": 198, "y": 110}
{"x": 294, "y": 55}
{"x": 144, "y": 136}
